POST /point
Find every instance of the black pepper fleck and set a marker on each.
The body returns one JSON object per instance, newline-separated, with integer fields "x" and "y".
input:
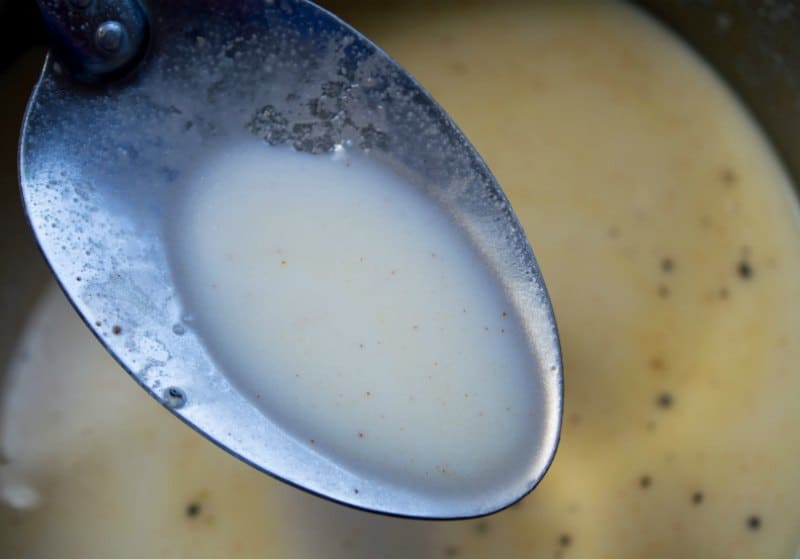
{"x": 657, "y": 364}
{"x": 565, "y": 540}
{"x": 482, "y": 527}
{"x": 728, "y": 177}
{"x": 697, "y": 497}
{"x": 451, "y": 551}
{"x": 667, "y": 265}
{"x": 663, "y": 291}
{"x": 117, "y": 330}
{"x": 754, "y": 522}
{"x": 664, "y": 400}
{"x": 193, "y": 509}
{"x": 645, "y": 482}
{"x": 745, "y": 270}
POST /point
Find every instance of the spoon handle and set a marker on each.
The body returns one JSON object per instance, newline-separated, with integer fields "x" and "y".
{"x": 96, "y": 40}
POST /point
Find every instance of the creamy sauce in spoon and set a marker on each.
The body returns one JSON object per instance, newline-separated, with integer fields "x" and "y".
{"x": 356, "y": 313}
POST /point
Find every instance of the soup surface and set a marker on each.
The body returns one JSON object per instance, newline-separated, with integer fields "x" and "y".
{"x": 669, "y": 239}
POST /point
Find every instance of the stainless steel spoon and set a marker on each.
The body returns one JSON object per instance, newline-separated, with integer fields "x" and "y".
{"x": 131, "y": 98}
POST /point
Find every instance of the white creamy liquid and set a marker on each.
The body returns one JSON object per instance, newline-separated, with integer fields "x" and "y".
{"x": 357, "y": 315}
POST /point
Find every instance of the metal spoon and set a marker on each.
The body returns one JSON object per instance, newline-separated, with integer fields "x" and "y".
{"x": 130, "y": 98}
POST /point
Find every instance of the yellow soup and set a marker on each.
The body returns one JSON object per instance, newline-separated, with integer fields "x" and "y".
{"x": 669, "y": 239}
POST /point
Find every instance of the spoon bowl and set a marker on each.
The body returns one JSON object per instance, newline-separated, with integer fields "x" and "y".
{"x": 101, "y": 163}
